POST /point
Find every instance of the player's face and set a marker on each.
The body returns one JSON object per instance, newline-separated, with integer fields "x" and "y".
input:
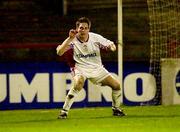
{"x": 83, "y": 29}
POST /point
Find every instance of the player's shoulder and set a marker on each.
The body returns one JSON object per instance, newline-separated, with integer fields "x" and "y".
{"x": 94, "y": 35}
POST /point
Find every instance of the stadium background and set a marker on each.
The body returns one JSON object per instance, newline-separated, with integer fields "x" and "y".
{"x": 31, "y": 30}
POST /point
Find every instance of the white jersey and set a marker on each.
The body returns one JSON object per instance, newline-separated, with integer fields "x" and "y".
{"x": 87, "y": 54}
{"x": 84, "y": 57}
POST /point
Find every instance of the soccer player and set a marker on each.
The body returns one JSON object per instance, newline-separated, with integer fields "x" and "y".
{"x": 82, "y": 48}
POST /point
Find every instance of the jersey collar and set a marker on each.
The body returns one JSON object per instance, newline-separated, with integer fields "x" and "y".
{"x": 82, "y": 41}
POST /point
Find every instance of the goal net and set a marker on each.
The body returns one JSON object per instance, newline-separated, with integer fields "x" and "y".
{"x": 164, "y": 16}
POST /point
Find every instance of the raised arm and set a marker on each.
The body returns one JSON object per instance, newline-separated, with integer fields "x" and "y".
{"x": 61, "y": 49}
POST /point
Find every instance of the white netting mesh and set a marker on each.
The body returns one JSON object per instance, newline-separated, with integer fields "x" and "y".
{"x": 164, "y": 18}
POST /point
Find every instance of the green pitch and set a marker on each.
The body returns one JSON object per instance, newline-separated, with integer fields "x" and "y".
{"x": 138, "y": 119}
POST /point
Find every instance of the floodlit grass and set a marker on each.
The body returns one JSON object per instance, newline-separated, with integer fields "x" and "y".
{"x": 100, "y": 119}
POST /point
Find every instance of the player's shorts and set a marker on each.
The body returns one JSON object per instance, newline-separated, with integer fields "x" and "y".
{"x": 95, "y": 75}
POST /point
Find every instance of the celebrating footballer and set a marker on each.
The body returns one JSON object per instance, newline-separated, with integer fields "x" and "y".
{"x": 82, "y": 49}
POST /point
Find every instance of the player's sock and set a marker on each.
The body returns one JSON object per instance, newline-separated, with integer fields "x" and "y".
{"x": 70, "y": 99}
{"x": 116, "y": 95}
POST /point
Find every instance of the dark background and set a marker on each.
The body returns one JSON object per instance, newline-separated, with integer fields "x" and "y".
{"x": 30, "y": 30}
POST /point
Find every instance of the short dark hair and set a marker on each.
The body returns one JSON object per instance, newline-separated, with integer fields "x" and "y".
{"x": 83, "y": 20}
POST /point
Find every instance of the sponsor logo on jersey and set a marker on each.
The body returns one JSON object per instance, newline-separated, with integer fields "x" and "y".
{"x": 87, "y": 55}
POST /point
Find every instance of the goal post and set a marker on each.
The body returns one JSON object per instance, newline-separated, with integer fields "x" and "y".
{"x": 120, "y": 42}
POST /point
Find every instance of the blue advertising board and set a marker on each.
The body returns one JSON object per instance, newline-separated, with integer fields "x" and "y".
{"x": 34, "y": 85}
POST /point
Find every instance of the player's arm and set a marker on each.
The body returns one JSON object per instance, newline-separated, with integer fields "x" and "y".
{"x": 61, "y": 49}
{"x": 105, "y": 43}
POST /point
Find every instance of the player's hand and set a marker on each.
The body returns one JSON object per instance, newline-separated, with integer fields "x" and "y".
{"x": 72, "y": 33}
{"x": 112, "y": 47}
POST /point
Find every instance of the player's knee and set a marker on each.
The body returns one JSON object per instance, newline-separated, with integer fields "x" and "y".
{"x": 116, "y": 86}
{"x": 78, "y": 87}
{"x": 79, "y": 84}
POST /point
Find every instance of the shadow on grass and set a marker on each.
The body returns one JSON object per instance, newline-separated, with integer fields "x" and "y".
{"x": 87, "y": 117}
{"x": 55, "y": 119}
{"x": 152, "y": 116}
{"x": 27, "y": 121}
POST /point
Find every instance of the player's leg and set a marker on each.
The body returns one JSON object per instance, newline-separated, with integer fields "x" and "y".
{"x": 116, "y": 94}
{"x": 78, "y": 85}
{"x": 103, "y": 77}
{"x": 116, "y": 91}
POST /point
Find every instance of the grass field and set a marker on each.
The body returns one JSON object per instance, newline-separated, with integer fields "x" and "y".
{"x": 138, "y": 119}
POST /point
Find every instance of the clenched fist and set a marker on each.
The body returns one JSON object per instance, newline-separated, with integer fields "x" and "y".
{"x": 72, "y": 33}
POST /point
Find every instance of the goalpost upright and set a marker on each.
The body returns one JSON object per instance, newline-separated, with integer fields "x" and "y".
{"x": 120, "y": 42}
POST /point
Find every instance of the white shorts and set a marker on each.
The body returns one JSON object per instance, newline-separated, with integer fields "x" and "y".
{"x": 95, "y": 75}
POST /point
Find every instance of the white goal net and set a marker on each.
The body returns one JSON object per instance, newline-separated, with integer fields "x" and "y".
{"x": 164, "y": 16}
